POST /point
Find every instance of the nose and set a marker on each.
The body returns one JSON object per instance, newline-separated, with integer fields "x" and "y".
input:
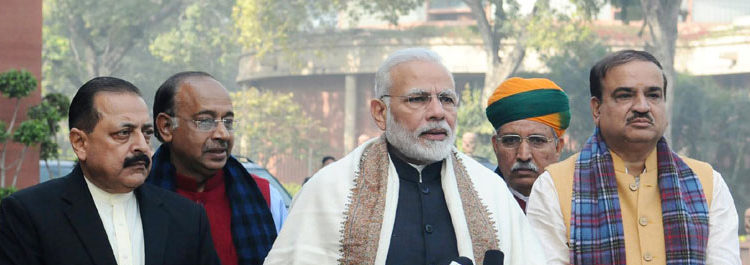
{"x": 435, "y": 110}
{"x": 641, "y": 104}
{"x": 523, "y": 153}
{"x": 140, "y": 145}
{"x": 221, "y": 132}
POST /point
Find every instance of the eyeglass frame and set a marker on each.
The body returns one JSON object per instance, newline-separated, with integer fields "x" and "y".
{"x": 526, "y": 139}
{"x": 419, "y": 93}
{"x": 213, "y": 127}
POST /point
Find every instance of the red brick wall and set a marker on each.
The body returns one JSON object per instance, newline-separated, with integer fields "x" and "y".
{"x": 21, "y": 48}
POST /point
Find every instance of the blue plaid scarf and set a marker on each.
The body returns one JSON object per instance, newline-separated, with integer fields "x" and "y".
{"x": 253, "y": 230}
{"x": 596, "y": 233}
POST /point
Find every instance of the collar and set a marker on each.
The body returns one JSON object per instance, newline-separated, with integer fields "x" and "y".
{"x": 619, "y": 165}
{"x": 518, "y": 194}
{"x": 415, "y": 173}
{"x": 187, "y": 183}
{"x": 99, "y": 194}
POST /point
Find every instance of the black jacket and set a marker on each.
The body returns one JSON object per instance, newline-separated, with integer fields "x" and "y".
{"x": 56, "y": 222}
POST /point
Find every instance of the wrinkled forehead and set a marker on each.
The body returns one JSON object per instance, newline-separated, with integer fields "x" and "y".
{"x": 426, "y": 76}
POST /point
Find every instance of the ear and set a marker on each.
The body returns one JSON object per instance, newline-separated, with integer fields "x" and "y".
{"x": 378, "y": 110}
{"x": 79, "y": 141}
{"x": 164, "y": 125}
{"x": 595, "y": 104}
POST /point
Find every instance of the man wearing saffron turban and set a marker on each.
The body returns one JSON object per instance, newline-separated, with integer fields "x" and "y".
{"x": 529, "y": 116}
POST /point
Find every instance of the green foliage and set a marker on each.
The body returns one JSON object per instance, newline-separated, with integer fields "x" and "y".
{"x": 272, "y": 124}
{"x": 52, "y": 109}
{"x": 471, "y": 117}
{"x": 60, "y": 102}
{"x": 142, "y": 41}
{"x": 203, "y": 36}
{"x": 31, "y": 132}
{"x": 3, "y": 131}
{"x": 710, "y": 124}
{"x": 5, "y": 192}
{"x": 49, "y": 149}
{"x": 569, "y": 67}
{"x": 17, "y": 84}
{"x": 267, "y": 25}
{"x": 44, "y": 111}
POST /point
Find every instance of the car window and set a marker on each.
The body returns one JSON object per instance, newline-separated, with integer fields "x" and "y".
{"x": 56, "y": 169}
{"x": 263, "y": 173}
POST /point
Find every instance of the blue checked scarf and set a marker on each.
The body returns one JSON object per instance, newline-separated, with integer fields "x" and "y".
{"x": 253, "y": 230}
{"x": 596, "y": 233}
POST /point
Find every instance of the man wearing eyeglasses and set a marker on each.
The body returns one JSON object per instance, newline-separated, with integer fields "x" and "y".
{"x": 195, "y": 121}
{"x": 627, "y": 198}
{"x": 102, "y": 213}
{"x": 407, "y": 197}
{"x": 529, "y": 117}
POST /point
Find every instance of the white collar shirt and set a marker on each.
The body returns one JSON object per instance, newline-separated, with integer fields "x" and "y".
{"x": 122, "y": 222}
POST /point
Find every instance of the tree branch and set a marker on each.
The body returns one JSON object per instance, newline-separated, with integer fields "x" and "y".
{"x": 485, "y": 30}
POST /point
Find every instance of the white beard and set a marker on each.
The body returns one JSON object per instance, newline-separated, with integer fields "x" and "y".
{"x": 413, "y": 147}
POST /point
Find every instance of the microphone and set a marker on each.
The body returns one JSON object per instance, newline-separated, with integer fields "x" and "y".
{"x": 493, "y": 257}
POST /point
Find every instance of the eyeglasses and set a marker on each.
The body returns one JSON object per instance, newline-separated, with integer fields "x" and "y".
{"x": 514, "y": 140}
{"x": 418, "y": 101}
{"x": 207, "y": 125}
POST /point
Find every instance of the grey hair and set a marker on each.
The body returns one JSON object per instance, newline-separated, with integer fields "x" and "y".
{"x": 383, "y": 80}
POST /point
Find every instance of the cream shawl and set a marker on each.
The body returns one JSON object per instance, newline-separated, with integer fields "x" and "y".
{"x": 345, "y": 213}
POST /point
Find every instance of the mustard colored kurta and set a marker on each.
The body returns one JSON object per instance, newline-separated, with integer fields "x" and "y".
{"x": 640, "y": 205}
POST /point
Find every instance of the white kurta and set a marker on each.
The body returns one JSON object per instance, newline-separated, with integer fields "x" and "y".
{"x": 312, "y": 233}
{"x": 122, "y": 223}
{"x": 546, "y": 217}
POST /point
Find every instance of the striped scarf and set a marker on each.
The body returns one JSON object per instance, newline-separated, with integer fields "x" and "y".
{"x": 596, "y": 233}
{"x": 253, "y": 230}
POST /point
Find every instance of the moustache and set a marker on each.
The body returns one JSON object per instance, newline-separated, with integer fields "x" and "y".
{"x": 435, "y": 125}
{"x": 637, "y": 115}
{"x": 218, "y": 144}
{"x": 133, "y": 160}
{"x": 519, "y": 165}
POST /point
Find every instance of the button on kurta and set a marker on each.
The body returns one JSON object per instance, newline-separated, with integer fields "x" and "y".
{"x": 643, "y": 221}
{"x": 633, "y": 186}
{"x": 428, "y": 229}
{"x": 648, "y": 257}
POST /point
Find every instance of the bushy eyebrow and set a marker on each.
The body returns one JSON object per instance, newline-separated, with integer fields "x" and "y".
{"x": 654, "y": 88}
{"x": 213, "y": 113}
{"x": 130, "y": 125}
{"x": 630, "y": 89}
{"x": 622, "y": 89}
{"x": 421, "y": 91}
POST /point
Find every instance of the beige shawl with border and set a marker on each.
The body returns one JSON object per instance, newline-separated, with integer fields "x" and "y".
{"x": 345, "y": 213}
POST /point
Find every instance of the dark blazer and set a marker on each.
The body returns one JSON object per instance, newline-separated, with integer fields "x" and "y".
{"x": 56, "y": 222}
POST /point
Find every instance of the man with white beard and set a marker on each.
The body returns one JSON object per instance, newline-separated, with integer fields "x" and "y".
{"x": 409, "y": 196}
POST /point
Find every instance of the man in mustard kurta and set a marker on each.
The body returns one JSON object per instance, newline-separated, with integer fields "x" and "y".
{"x": 626, "y": 198}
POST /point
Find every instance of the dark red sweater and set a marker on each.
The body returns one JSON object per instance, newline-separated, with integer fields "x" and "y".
{"x": 214, "y": 200}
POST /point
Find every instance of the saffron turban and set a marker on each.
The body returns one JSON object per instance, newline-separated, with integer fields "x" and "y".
{"x": 535, "y": 99}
